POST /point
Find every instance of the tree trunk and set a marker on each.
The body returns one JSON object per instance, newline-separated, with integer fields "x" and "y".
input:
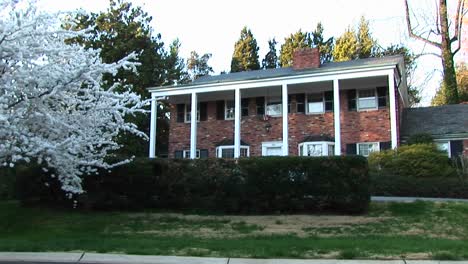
{"x": 450, "y": 80}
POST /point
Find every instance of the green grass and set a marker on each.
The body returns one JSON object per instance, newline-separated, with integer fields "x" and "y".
{"x": 438, "y": 230}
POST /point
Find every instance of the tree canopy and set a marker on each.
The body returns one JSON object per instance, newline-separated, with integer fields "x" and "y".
{"x": 245, "y": 55}
{"x": 198, "y": 66}
{"x": 271, "y": 58}
{"x": 462, "y": 87}
{"x": 293, "y": 42}
{"x": 355, "y": 44}
{"x": 325, "y": 46}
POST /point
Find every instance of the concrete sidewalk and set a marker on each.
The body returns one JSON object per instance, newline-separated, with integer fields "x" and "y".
{"x": 88, "y": 258}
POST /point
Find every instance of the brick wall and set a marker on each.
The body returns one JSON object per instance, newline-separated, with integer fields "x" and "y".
{"x": 465, "y": 147}
{"x": 363, "y": 126}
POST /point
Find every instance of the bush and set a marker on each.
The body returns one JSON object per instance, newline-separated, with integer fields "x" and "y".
{"x": 254, "y": 185}
{"x": 419, "y": 160}
{"x": 421, "y": 138}
{"x": 7, "y": 183}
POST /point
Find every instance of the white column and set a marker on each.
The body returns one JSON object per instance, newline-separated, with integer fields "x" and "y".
{"x": 193, "y": 127}
{"x": 336, "y": 116}
{"x": 237, "y": 135}
{"x": 284, "y": 105}
{"x": 153, "y": 121}
{"x": 393, "y": 113}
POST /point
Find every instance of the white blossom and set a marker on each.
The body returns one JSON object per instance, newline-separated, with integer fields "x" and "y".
{"x": 53, "y": 109}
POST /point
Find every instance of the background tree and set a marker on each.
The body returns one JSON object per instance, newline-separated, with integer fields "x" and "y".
{"x": 54, "y": 110}
{"x": 366, "y": 44}
{"x": 271, "y": 58}
{"x": 198, "y": 66}
{"x": 325, "y": 46}
{"x": 117, "y": 32}
{"x": 439, "y": 36}
{"x": 355, "y": 44}
{"x": 346, "y": 46}
{"x": 462, "y": 87}
{"x": 293, "y": 42}
{"x": 245, "y": 56}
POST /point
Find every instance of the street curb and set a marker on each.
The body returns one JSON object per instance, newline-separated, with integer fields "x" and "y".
{"x": 124, "y": 259}
{"x": 40, "y": 257}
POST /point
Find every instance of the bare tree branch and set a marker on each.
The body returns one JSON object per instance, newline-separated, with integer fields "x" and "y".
{"x": 414, "y": 35}
{"x": 457, "y": 22}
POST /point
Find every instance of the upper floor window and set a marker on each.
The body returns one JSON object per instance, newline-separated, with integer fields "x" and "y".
{"x": 274, "y": 106}
{"x": 188, "y": 113}
{"x": 367, "y": 99}
{"x": 229, "y": 108}
{"x": 319, "y": 102}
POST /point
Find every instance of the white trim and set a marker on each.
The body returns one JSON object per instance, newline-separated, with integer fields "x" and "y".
{"x": 325, "y": 146}
{"x": 307, "y": 104}
{"x": 219, "y": 150}
{"x": 284, "y": 93}
{"x": 367, "y": 143}
{"x": 237, "y": 132}
{"x": 336, "y": 116}
{"x": 250, "y": 84}
{"x": 271, "y": 144}
{"x": 226, "y": 108}
{"x": 193, "y": 127}
{"x": 393, "y": 113}
{"x": 153, "y": 121}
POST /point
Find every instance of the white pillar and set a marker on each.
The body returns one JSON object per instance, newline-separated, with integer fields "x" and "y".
{"x": 284, "y": 104}
{"x": 153, "y": 121}
{"x": 336, "y": 116}
{"x": 193, "y": 127}
{"x": 237, "y": 135}
{"x": 393, "y": 113}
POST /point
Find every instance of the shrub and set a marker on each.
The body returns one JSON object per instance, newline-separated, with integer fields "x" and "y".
{"x": 254, "y": 185}
{"x": 421, "y": 138}
{"x": 419, "y": 160}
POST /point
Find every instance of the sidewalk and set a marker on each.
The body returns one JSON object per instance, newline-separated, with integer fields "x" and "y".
{"x": 17, "y": 257}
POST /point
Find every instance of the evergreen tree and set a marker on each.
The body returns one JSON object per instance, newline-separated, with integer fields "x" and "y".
{"x": 119, "y": 31}
{"x": 198, "y": 66}
{"x": 245, "y": 56}
{"x": 346, "y": 46}
{"x": 462, "y": 87}
{"x": 293, "y": 42}
{"x": 366, "y": 44}
{"x": 271, "y": 58}
{"x": 325, "y": 46}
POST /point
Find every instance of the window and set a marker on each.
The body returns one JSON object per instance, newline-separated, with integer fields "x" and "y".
{"x": 364, "y": 149}
{"x": 260, "y": 105}
{"x": 186, "y": 154}
{"x": 443, "y": 146}
{"x": 367, "y": 99}
{"x": 229, "y": 110}
{"x": 245, "y": 107}
{"x": 273, "y": 106}
{"x": 315, "y": 103}
{"x": 228, "y": 151}
{"x": 188, "y": 113}
{"x": 274, "y": 148}
{"x": 300, "y": 103}
{"x": 317, "y": 149}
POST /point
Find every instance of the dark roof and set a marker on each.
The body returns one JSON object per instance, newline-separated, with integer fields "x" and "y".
{"x": 229, "y": 142}
{"x": 310, "y": 138}
{"x": 439, "y": 121}
{"x": 289, "y": 71}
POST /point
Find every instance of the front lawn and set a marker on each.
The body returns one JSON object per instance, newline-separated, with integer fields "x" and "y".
{"x": 392, "y": 230}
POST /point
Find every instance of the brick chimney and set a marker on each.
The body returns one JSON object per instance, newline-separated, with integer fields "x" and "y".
{"x": 306, "y": 58}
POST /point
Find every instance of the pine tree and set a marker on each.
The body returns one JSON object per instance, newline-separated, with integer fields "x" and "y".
{"x": 346, "y": 46}
{"x": 198, "y": 66}
{"x": 355, "y": 44}
{"x": 293, "y": 42}
{"x": 245, "y": 56}
{"x": 325, "y": 46}
{"x": 271, "y": 58}
{"x": 366, "y": 44}
{"x": 462, "y": 87}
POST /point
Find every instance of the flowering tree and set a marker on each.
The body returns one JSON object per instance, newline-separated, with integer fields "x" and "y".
{"x": 53, "y": 109}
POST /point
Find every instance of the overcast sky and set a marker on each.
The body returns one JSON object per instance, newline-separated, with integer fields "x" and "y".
{"x": 214, "y": 26}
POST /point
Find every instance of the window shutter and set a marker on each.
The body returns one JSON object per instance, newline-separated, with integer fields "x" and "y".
{"x": 456, "y": 148}
{"x": 178, "y": 154}
{"x": 352, "y": 100}
{"x": 351, "y": 149}
{"x": 220, "y": 110}
{"x": 289, "y": 103}
{"x": 203, "y": 111}
{"x": 245, "y": 107}
{"x": 260, "y": 101}
{"x": 382, "y": 93}
{"x": 203, "y": 153}
{"x": 180, "y": 113}
{"x": 328, "y": 100}
{"x": 385, "y": 145}
{"x": 300, "y": 103}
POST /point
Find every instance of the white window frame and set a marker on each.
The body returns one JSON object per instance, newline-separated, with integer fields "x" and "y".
{"x": 226, "y": 110}
{"x": 186, "y": 154}
{"x": 307, "y": 103}
{"x": 358, "y": 149}
{"x": 188, "y": 109}
{"x": 219, "y": 150}
{"x": 438, "y": 142}
{"x": 376, "y": 99}
{"x": 325, "y": 145}
{"x": 271, "y": 144}
{"x": 274, "y": 99}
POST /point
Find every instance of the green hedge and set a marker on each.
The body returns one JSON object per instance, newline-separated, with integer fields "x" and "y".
{"x": 254, "y": 185}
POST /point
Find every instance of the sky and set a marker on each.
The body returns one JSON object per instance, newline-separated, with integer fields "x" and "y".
{"x": 209, "y": 26}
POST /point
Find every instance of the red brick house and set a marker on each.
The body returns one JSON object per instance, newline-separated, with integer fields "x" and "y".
{"x": 336, "y": 108}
